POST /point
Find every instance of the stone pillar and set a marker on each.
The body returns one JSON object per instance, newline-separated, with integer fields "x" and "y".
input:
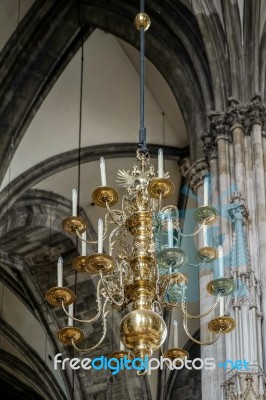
{"x": 238, "y": 171}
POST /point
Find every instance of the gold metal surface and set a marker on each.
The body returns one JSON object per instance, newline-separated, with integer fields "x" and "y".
{"x": 143, "y": 297}
{"x": 79, "y": 263}
{"x": 56, "y": 295}
{"x": 73, "y": 224}
{"x": 207, "y": 254}
{"x": 143, "y": 331}
{"x": 176, "y": 278}
{"x": 121, "y": 354}
{"x": 140, "y": 223}
{"x": 103, "y": 195}
{"x": 222, "y": 325}
{"x": 142, "y": 20}
{"x": 66, "y": 335}
{"x": 222, "y": 286}
{"x": 99, "y": 262}
{"x": 142, "y": 269}
{"x": 175, "y": 353}
{"x": 161, "y": 187}
{"x": 206, "y": 214}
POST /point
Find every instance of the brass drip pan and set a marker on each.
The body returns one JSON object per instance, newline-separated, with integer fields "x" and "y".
{"x": 66, "y": 335}
{"x": 73, "y": 224}
{"x": 79, "y": 263}
{"x": 222, "y": 286}
{"x": 103, "y": 195}
{"x": 222, "y": 325}
{"x": 99, "y": 262}
{"x": 161, "y": 187}
{"x": 56, "y": 295}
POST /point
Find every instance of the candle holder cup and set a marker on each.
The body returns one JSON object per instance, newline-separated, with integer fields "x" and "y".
{"x": 73, "y": 224}
{"x": 66, "y": 335}
{"x": 171, "y": 257}
{"x": 103, "y": 195}
{"x": 222, "y": 324}
{"x": 207, "y": 254}
{"x": 79, "y": 263}
{"x": 161, "y": 187}
{"x": 99, "y": 262}
{"x": 206, "y": 214}
{"x": 176, "y": 354}
{"x": 58, "y": 295}
{"x": 221, "y": 286}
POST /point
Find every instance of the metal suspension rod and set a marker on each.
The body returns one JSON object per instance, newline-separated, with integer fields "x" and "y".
{"x": 142, "y": 130}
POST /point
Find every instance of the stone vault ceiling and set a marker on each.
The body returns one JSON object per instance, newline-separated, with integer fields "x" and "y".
{"x": 196, "y": 59}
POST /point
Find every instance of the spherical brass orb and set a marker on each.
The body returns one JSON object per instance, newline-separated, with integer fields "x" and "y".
{"x": 143, "y": 331}
{"x": 142, "y": 20}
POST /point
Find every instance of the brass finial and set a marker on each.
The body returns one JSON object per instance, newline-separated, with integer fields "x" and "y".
{"x": 142, "y": 20}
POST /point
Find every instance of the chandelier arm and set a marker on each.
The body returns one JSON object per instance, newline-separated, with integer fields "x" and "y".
{"x": 124, "y": 199}
{"x": 166, "y": 208}
{"x": 176, "y": 305}
{"x": 195, "y": 340}
{"x": 118, "y": 303}
{"x": 103, "y": 335}
{"x": 96, "y": 317}
{"x": 111, "y": 213}
{"x": 187, "y": 315}
{"x": 83, "y": 240}
{"x": 194, "y": 233}
{"x": 116, "y": 229}
{"x": 82, "y": 320}
{"x": 196, "y": 265}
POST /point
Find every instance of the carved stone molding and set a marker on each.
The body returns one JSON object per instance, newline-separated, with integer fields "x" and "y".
{"x": 244, "y": 386}
{"x": 235, "y": 115}
{"x": 209, "y": 147}
{"x": 238, "y": 199}
{"x": 198, "y": 171}
{"x": 194, "y": 173}
{"x": 256, "y": 111}
{"x": 184, "y": 165}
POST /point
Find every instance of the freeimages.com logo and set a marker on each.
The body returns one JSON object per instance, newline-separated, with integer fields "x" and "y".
{"x": 147, "y": 364}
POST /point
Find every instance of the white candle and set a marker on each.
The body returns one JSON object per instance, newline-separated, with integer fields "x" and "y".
{"x": 206, "y": 191}
{"x": 74, "y": 202}
{"x": 175, "y": 323}
{"x": 60, "y": 272}
{"x": 205, "y": 236}
{"x": 70, "y": 312}
{"x": 221, "y": 306}
{"x": 221, "y": 261}
{"x": 84, "y": 244}
{"x": 160, "y": 163}
{"x": 100, "y": 236}
{"x": 122, "y": 347}
{"x": 103, "y": 172}
{"x": 170, "y": 233}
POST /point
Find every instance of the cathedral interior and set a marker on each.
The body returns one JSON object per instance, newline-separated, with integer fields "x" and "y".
{"x": 70, "y": 82}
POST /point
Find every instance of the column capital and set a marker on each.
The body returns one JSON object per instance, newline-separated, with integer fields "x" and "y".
{"x": 235, "y": 114}
{"x": 218, "y": 127}
{"x": 194, "y": 173}
{"x": 237, "y": 208}
{"x": 256, "y": 111}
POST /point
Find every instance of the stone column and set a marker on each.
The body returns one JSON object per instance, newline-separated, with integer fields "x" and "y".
{"x": 256, "y": 113}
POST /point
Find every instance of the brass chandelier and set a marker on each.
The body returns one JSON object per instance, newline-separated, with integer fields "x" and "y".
{"x": 140, "y": 272}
